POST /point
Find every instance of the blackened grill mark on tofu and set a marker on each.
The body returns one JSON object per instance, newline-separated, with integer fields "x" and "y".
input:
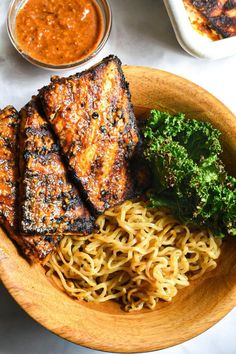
{"x": 50, "y": 203}
{"x": 9, "y": 123}
{"x": 98, "y": 146}
{"x": 219, "y": 14}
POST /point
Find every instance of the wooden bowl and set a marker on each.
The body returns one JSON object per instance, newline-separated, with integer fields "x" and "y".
{"x": 105, "y": 326}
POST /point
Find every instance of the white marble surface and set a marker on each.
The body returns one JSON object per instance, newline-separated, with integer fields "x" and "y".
{"x": 141, "y": 35}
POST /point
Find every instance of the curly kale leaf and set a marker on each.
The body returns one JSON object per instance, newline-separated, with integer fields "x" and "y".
{"x": 188, "y": 174}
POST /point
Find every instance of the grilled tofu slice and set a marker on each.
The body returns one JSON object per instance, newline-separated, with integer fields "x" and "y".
{"x": 49, "y": 201}
{"x": 37, "y": 247}
{"x": 93, "y": 118}
{"x": 9, "y": 122}
{"x": 220, "y": 14}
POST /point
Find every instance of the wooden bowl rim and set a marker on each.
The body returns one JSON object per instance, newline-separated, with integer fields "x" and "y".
{"x": 10, "y": 259}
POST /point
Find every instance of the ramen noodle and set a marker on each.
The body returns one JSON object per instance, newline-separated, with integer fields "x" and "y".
{"x": 138, "y": 256}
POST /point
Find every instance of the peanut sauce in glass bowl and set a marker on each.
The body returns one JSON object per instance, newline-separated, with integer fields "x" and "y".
{"x": 59, "y": 33}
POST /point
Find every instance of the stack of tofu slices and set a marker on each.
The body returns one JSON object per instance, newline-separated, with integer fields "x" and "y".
{"x": 65, "y": 157}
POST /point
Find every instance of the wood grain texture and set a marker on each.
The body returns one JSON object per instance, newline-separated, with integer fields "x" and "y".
{"x": 105, "y": 326}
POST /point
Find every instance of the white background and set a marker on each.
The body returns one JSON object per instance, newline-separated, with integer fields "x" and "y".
{"x": 141, "y": 35}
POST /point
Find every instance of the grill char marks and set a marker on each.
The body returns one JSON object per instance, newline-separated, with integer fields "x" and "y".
{"x": 50, "y": 203}
{"x": 220, "y": 14}
{"x": 9, "y": 123}
{"x": 92, "y": 116}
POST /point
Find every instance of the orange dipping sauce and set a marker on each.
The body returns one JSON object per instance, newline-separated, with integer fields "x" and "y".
{"x": 59, "y": 32}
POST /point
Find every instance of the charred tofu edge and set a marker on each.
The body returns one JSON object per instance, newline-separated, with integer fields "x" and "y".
{"x": 220, "y": 24}
{"x": 34, "y": 248}
{"x": 10, "y": 111}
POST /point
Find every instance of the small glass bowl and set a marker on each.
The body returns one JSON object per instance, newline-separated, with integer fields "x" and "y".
{"x": 13, "y": 10}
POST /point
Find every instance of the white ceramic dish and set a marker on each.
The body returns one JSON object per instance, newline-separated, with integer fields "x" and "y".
{"x": 193, "y": 42}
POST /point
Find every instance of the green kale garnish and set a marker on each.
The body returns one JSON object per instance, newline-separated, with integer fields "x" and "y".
{"x": 189, "y": 176}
